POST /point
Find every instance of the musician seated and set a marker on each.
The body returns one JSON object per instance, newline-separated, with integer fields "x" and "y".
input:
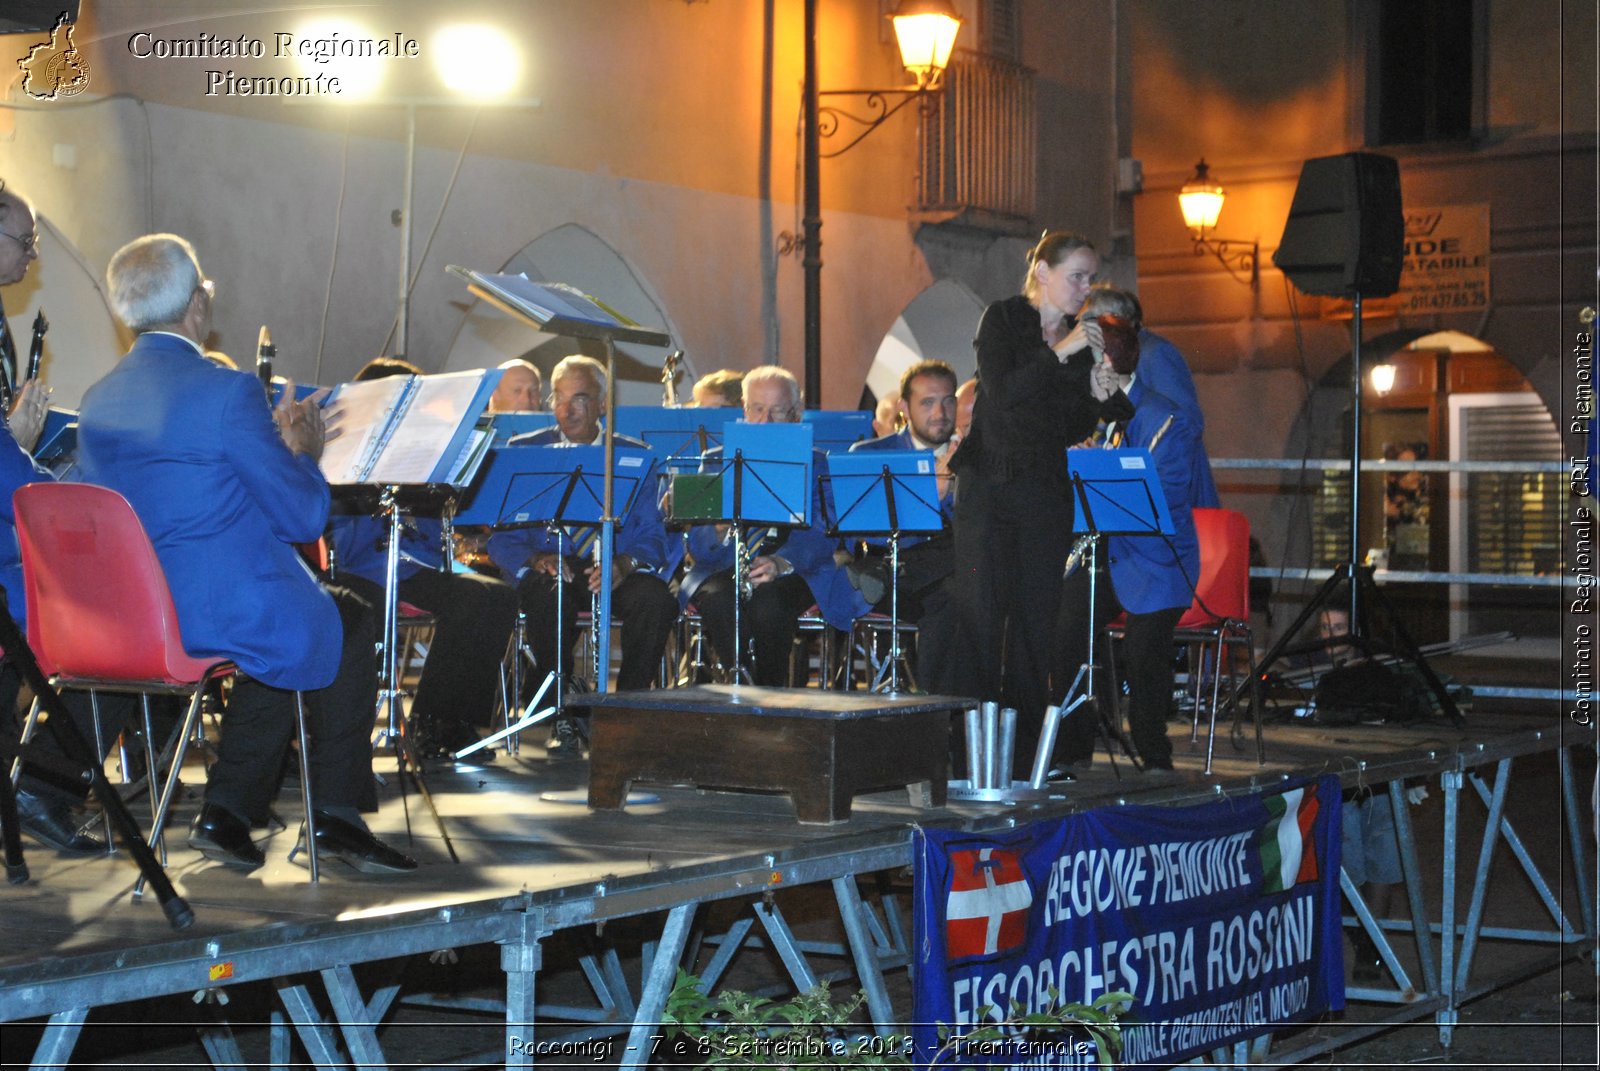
{"x": 791, "y": 569}
{"x": 927, "y": 596}
{"x": 538, "y": 562}
{"x": 1151, "y": 577}
{"x": 519, "y": 388}
{"x": 225, "y": 486}
{"x": 474, "y": 615}
{"x": 718, "y": 389}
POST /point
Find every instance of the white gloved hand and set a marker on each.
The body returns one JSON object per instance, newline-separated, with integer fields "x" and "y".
{"x": 1416, "y": 794}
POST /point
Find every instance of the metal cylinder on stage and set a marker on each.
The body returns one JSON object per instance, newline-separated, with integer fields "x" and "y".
{"x": 1008, "y": 747}
{"x": 991, "y": 744}
{"x": 975, "y": 759}
{"x": 1047, "y": 746}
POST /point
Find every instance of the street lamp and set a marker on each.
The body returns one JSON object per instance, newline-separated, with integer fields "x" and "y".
{"x": 925, "y": 32}
{"x": 1200, "y": 200}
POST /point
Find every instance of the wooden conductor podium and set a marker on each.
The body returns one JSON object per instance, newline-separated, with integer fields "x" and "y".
{"x": 822, "y": 748}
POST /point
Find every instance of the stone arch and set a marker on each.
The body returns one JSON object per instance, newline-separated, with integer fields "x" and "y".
{"x": 938, "y": 323}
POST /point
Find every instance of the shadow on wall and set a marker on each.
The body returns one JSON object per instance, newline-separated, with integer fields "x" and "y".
{"x": 574, "y": 255}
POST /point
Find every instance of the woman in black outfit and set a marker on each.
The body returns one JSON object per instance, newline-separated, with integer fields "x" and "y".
{"x": 1013, "y": 503}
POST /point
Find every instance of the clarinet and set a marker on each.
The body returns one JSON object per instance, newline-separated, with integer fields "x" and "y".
{"x": 36, "y": 347}
{"x": 8, "y": 364}
{"x": 265, "y": 352}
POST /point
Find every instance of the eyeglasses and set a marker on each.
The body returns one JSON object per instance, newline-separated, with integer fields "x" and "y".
{"x": 26, "y": 243}
{"x": 777, "y": 414}
{"x": 209, "y": 287}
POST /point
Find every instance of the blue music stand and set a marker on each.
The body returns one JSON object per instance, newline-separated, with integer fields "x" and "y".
{"x": 680, "y": 437}
{"x": 1116, "y": 492}
{"x": 507, "y": 425}
{"x": 834, "y": 431}
{"x": 556, "y": 486}
{"x": 889, "y": 493}
{"x": 766, "y": 482}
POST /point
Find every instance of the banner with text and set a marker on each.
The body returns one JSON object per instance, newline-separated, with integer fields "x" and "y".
{"x": 1222, "y": 920}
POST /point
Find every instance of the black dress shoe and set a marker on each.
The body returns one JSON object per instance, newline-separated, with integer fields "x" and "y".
{"x": 49, "y": 821}
{"x": 354, "y": 845}
{"x": 224, "y": 837}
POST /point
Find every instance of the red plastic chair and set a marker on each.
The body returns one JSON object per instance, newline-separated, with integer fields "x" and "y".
{"x": 1217, "y": 623}
{"x": 101, "y": 617}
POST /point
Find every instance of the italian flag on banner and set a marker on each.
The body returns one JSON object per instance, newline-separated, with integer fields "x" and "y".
{"x": 1288, "y": 856}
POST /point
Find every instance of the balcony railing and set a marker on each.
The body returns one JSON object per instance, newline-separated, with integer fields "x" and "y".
{"x": 977, "y": 143}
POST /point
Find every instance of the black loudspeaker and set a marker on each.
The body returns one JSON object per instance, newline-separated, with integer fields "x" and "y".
{"x": 1346, "y": 233}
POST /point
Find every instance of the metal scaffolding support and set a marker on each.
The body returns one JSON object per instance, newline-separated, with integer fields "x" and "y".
{"x": 1431, "y": 975}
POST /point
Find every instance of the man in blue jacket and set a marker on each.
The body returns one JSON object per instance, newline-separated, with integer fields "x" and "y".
{"x": 927, "y": 590}
{"x": 1152, "y": 577}
{"x": 537, "y": 562}
{"x": 225, "y": 486}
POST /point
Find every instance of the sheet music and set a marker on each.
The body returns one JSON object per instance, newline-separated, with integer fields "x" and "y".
{"x": 550, "y": 300}
{"x": 359, "y": 413}
{"x": 465, "y": 466}
{"x": 424, "y": 432}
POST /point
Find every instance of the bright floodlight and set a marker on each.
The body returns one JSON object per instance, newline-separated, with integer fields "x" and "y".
{"x": 342, "y": 50}
{"x": 476, "y": 60}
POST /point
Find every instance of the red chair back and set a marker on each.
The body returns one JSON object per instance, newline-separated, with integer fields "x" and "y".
{"x": 98, "y": 603}
{"x": 1224, "y": 582}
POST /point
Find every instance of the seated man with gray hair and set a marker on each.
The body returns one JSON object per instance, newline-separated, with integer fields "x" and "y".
{"x": 794, "y": 568}
{"x": 225, "y": 487}
{"x": 537, "y": 562}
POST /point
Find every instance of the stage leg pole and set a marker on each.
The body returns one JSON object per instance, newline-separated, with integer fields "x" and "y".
{"x": 309, "y": 1024}
{"x": 351, "y": 1013}
{"x": 60, "y": 1038}
{"x": 728, "y": 946}
{"x": 1480, "y": 877}
{"x": 865, "y": 953}
{"x": 1577, "y": 832}
{"x": 1450, "y": 785}
{"x": 784, "y": 943}
{"x": 521, "y": 960}
{"x": 1412, "y": 871}
{"x": 657, "y": 986}
{"x": 1540, "y": 886}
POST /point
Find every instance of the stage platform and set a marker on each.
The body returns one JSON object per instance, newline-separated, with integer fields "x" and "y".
{"x": 534, "y": 860}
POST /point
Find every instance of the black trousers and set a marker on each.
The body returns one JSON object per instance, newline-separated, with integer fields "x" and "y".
{"x": 1012, "y": 538}
{"x": 931, "y": 600}
{"x": 770, "y": 619}
{"x": 260, "y": 721}
{"x": 642, "y": 601}
{"x": 461, "y": 677}
{"x": 1145, "y": 661}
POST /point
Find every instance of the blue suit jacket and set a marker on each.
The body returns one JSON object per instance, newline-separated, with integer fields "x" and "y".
{"x": 16, "y": 469}
{"x": 193, "y": 447}
{"x": 1149, "y": 572}
{"x": 361, "y": 545}
{"x": 642, "y": 534}
{"x": 1163, "y": 370}
{"x": 809, "y": 550}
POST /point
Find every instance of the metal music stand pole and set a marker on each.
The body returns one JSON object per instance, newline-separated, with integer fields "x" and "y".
{"x": 397, "y": 732}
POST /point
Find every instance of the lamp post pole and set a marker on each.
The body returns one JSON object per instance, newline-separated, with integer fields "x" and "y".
{"x": 811, "y": 216}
